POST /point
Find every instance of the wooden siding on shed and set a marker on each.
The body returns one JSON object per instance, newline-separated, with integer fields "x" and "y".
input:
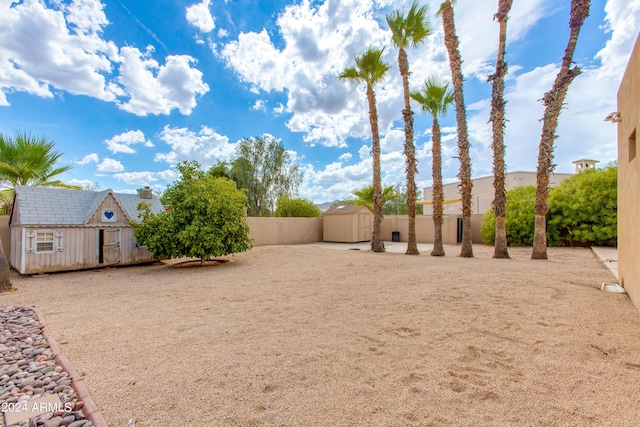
{"x": 109, "y": 203}
{"x": 80, "y": 250}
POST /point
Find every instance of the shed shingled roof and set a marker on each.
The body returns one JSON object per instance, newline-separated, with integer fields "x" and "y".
{"x": 61, "y": 206}
{"x": 345, "y": 210}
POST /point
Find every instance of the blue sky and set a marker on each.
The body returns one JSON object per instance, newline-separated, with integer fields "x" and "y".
{"x": 127, "y": 89}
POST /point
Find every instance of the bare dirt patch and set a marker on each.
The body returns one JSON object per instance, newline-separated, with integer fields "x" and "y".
{"x": 310, "y": 336}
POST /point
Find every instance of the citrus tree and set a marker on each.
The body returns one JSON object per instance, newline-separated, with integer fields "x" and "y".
{"x": 205, "y": 218}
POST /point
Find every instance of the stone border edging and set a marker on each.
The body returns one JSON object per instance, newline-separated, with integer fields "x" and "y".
{"x": 89, "y": 408}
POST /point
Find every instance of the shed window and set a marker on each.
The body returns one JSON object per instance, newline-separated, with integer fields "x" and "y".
{"x": 44, "y": 241}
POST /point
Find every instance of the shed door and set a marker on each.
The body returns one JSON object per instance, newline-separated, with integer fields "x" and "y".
{"x": 109, "y": 246}
{"x": 364, "y": 226}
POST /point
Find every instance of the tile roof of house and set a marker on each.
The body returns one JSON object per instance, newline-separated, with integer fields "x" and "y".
{"x": 60, "y": 206}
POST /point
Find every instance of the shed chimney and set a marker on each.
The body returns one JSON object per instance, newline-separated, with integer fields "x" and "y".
{"x": 145, "y": 193}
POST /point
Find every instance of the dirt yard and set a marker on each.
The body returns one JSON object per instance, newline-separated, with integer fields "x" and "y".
{"x": 302, "y": 336}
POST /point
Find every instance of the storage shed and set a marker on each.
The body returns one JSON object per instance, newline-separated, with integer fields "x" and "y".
{"x": 347, "y": 224}
{"x": 55, "y": 229}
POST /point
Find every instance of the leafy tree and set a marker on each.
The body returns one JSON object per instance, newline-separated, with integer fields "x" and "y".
{"x": 455, "y": 63}
{"x": 583, "y": 209}
{"x": 553, "y": 102}
{"x": 365, "y": 196}
{"x": 498, "y": 124}
{"x": 398, "y": 205}
{"x": 434, "y": 99}
{"x": 519, "y": 218}
{"x": 220, "y": 170}
{"x": 409, "y": 30}
{"x": 286, "y": 206}
{"x": 206, "y": 218}
{"x": 264, "y": 170}
{"x": 370, "y": 69}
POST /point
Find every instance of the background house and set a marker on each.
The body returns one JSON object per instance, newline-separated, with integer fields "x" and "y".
{"x": 628, "y": 119}
{"x": 483, "y": 190}
{"x": 55, "y": 229}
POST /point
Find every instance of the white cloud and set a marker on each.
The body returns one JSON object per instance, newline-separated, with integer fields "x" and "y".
{"x": 85, "y": 184}
{"x": 158, "y": 89}
{"x": 260, "y": 105}
{"x": 122, "y": 143}
{"x": 306, "y": 68}
{"x": 61, "y": 48}
{"x": 206, "y": 146}
{"x": 93, "y": 157}
{"x": 110, "y": 165}
{"x": 42, "y": 48}
{"x": 200, "y": 17}
{"x": 138, "y": 178}
{"x": 345, "y": 156}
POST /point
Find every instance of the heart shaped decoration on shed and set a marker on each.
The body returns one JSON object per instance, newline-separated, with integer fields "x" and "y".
{"x": 109, "y": 216}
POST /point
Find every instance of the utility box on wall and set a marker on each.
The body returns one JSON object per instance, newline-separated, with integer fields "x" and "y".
{"x": 347, "y": 224}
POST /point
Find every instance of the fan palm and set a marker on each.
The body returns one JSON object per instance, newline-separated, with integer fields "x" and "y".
{"x": 26, "y": 159}
{"x": 498, "y": 125}
{"x": 365, "y": 196}
{"x": 434, "y": 98}
{"x": 553, "y": 102}
{"x": 370, "y": 69}
{"x": 409, "y": 30}
{"x": 455, "y": 62}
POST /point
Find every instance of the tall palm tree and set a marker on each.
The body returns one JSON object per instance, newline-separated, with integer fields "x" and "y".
{"x": 435, "y": 98}
{"x": 498, "y": 124}
{"x": 553, "y": 102}
{"x": 409, "y": 31}
{"x": 370, "y": 69}
{"x": 464, "y": 175}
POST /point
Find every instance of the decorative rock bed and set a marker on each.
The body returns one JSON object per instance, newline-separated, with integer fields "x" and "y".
{"x": 38, "y": 385}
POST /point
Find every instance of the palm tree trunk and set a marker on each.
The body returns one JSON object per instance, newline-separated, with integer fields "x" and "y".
{"x": 409, "y": 152}
{"x": 498, "y": 125}
{"x": 5, "y": 283}
{"x": 553, "y": 102}
{"x": 466, "y": 186}
{"x": 437, "y": 193}
{"x": 377, "y": 245}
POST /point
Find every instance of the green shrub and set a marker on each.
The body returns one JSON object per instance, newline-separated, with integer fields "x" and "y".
{"x": 583, "y": 209}
{"x": 520, "y": 218}
{"x": 286, "y": 206}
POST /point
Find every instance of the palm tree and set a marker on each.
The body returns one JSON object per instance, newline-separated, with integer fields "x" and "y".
{"x": 370, "y": 69}
{"x": 409, "y": 31}
{"x": 498, "y": 125}
{"x": 553, "y": 102}
{"x": 366, "y": 196}
{"x": 26, "y": 159}
{"x": 434, "y": 99}
{"x": 455, "y": 63}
